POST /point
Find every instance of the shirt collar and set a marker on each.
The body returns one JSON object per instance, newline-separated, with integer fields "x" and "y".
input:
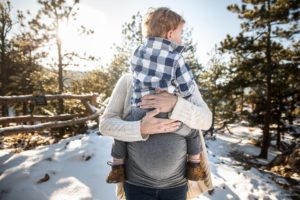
{"x": 161, "y": 43}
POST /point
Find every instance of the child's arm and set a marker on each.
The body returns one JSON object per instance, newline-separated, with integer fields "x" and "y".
{"x": 196, "y": 114}
{"x": 184, "y": 79}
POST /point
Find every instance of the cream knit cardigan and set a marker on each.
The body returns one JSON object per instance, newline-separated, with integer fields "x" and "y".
{"x": 196, "y": 115}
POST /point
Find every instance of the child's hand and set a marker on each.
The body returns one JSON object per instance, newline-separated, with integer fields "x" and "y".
{"x": 163, "y": 101}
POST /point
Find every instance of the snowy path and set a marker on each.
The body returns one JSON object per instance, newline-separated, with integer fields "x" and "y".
{"x": 72, "y": 176}
{"x": 77, "y": 169}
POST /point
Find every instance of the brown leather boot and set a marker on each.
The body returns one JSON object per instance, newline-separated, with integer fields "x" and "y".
{"x": 117, "y": 173}
{"x": 195, "y": 171}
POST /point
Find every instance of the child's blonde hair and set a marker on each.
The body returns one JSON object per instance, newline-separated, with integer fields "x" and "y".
{"x": 157, "y": 22}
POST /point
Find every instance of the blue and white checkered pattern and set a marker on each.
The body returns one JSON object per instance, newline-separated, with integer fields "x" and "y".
{"x": 159, "y": 64}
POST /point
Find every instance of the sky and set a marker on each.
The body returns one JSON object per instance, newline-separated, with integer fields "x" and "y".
{"x": 210, "y": 20}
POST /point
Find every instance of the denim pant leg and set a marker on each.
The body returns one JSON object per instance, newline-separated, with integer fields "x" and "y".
{"x": 177, "y": 193}
{"x": 134, "y": 192}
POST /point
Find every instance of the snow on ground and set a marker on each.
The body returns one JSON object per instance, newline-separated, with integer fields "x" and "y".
{"x": 76, "y": 166}
{"x": 77, "y": 169}
{"x": 231, "y": 179}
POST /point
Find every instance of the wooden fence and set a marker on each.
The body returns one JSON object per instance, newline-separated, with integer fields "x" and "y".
{"x": 48, "y": 121}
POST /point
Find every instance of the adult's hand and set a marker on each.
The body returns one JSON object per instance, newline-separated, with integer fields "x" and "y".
{"x": 163, "y": 101}
{"x": 152, "y": 125}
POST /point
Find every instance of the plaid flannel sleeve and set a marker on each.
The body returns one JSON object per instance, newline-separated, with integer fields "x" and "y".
{"x": 184, "y": 78}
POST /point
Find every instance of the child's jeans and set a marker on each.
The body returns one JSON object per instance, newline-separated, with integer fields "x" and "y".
{"x": 119, "y": 148}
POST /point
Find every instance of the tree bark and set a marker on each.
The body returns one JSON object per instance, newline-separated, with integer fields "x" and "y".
{"x": 281, "y": 105}
{"x": 60, "y": 67}
{"x": 4, "y": 70}
{"x": 60, "y": 80}
{"x": 242, "y": 100}
{"x": 267, "y": 117}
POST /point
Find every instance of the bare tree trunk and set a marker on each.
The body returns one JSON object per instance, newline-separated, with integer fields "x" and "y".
{"x": 6, "y": 26}
{"x": 267, "y": 117}
{"x": 60, "y": 84}
{"x": 60, "y": 72}
{"x": 4, "y": 75}
{"x": 242, "y": 101}
{"x": 279, "y": 124}
{"x": 278, "y": 140}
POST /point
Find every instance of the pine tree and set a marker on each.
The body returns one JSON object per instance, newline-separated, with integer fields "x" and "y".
{"x": 189, "y": 54}
{"x": 47, "y": 24}
{"x": 269, "y": 28}
{"x": 214, "y": 79}
{"x": 6, "y": 25}
{"x": 95, "y": 81}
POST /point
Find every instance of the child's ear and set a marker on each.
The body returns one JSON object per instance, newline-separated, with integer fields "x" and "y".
{"x": 169, "y": 34}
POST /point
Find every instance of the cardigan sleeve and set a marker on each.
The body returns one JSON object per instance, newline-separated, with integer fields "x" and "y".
{"x": 111, "y": 123}
{"x": 194, "y": 114}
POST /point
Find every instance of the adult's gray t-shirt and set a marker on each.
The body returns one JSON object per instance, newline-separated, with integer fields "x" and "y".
{"x": 158, "y": 162}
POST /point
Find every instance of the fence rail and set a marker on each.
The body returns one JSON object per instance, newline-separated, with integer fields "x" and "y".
{"x": 48, "y": 121}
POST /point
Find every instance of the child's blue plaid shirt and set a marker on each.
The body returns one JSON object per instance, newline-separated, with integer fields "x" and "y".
{"x": 159, "y": 64}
